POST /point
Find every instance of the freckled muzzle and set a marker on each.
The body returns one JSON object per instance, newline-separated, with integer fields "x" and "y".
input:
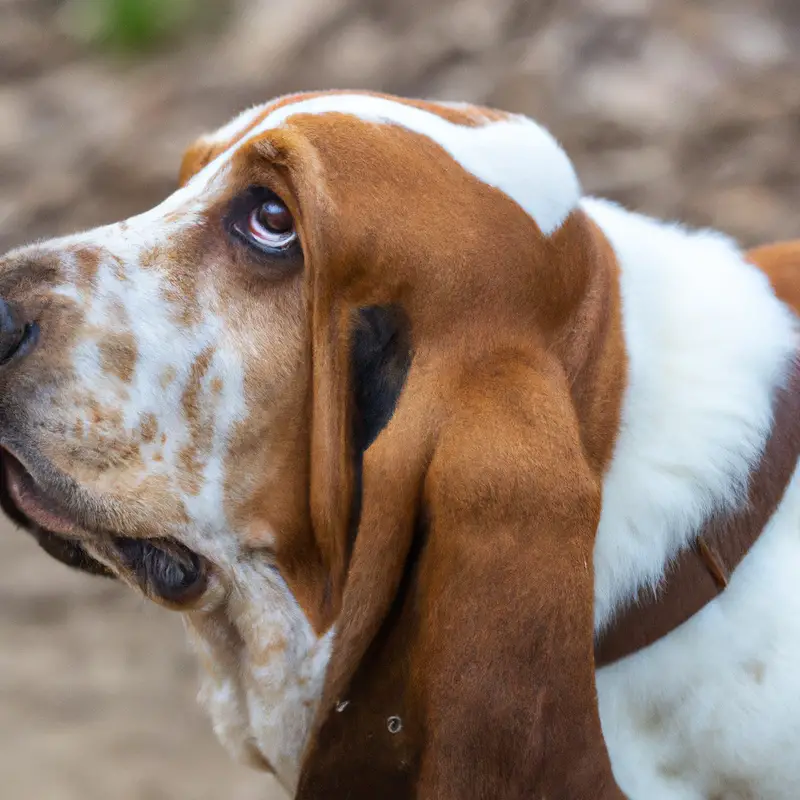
{"x": 61, "y": 426}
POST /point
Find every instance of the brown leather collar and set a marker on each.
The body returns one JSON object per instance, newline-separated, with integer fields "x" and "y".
{"x": 701, "y": 572}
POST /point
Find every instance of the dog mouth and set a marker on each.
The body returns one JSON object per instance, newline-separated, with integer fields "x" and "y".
{"x": 33, "y": 503}
{"x": 164, "y": 569}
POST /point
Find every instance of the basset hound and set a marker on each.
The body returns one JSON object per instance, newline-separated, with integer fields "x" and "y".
{"x": 466, "y": 485}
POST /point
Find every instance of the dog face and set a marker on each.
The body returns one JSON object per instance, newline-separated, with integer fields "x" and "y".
{"x": 159, "y": 375}
{"x": 165, "y": 355}
{"x": 154, "y": 419}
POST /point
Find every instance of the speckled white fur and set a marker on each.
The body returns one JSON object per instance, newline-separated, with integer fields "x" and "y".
{"x": 127, "y": 297}
{"x": 263, "y": 663}
{"x": 264, "y": 670}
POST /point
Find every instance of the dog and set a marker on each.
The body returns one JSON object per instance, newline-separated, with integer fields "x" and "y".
{"x": 465, "y": 485}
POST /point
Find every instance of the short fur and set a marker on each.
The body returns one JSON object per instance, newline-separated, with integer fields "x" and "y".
{"x": 399, "y": 479}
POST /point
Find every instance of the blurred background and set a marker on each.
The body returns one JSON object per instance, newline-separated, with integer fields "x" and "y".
{"x": 681, "y": 108}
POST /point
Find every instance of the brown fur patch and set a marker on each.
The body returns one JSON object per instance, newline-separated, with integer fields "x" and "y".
{"x": 167, "y": 376}
{"x": 148, "y": 427}
{"x": 506, "y": 423}
{"x": 87, "y": 260}
{"x": 119, "y": 269}
{"x": 151, "y": 258}
{"x": 192, "y": 456}
{"x": 119, "y": 353}
{"x": 194, "y": 159}
{"x": 177, "y": 293}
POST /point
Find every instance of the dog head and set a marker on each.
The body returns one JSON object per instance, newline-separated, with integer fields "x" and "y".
{"x": 188, "y": 395}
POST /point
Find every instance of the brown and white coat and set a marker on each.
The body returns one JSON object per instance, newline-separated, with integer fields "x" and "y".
{"x": 404, "y": 456}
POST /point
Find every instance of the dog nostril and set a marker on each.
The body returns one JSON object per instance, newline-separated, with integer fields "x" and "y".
{"x": 17, "y": 337}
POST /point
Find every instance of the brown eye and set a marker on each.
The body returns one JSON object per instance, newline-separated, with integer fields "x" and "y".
{"x": 270, "y": 226}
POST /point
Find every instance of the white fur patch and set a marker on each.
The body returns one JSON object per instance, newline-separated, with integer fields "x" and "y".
{"x": 713, "y": 709}
{"x": 267, "y": 673}
{"x": 707, "y": 344}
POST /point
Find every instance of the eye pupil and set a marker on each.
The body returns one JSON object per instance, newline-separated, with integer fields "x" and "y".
{"x": 268, "y": 226}
{"x": 275, "y": 217}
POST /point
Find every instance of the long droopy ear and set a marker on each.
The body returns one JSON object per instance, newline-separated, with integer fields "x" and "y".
{"x": 332, "y": 480}
{"x": 463, "y": 666}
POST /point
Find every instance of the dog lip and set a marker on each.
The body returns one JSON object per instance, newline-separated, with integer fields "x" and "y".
{"x": 33, "y": 502}
{"x": 165, "y": 570}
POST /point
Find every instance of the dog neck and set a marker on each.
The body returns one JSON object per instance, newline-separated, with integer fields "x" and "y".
{"x": 708, "y": 345}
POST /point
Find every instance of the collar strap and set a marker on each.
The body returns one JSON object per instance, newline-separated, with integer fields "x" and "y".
{"x": 701, "y": 572}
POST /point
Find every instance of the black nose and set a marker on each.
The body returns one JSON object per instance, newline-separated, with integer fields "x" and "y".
{"x": 17, "y": 337}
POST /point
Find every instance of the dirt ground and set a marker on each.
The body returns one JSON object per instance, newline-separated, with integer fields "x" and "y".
{"x": 683, "y": 108}
{"x": 97, "y": 694}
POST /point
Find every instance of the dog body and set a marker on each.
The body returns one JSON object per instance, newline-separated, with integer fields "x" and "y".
{"x": 583, "y": 389}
